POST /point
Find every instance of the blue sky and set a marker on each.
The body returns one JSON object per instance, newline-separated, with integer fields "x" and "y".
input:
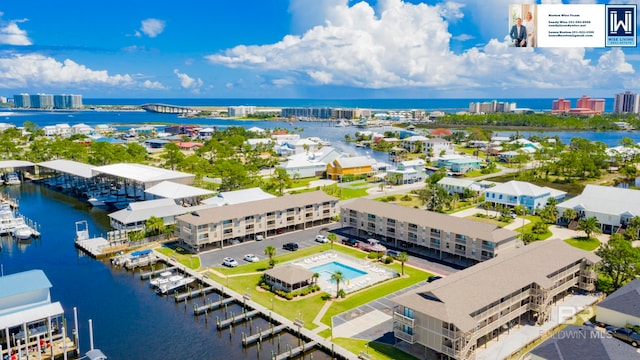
{"x": 328, "y": 49}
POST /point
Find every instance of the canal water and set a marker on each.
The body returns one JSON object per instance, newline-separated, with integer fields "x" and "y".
{"x": 129, "y": 320}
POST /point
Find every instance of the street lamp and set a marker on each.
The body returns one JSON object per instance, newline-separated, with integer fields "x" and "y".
{"x": 272, "y": 303}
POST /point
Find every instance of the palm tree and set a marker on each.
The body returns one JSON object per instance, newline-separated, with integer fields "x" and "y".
{"x": 154, "y": 225}
{"x": 403, "y": 258}
{"x": 520, "y": 210}
{"x": 487, "y": 206}
{"x": 270, "y": 251}
{"x": 589, "y": 226}
{"x": 569, "y": 214}
{"x": 315, "y": 277}
{"x": 337, "y": 276}
{"x": 332, "y": 237}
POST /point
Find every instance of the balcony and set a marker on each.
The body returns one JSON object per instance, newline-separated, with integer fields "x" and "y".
{"x": 403, "y": 320}
{"x": 461, "y": 240}
{"x": 404, "y": 336}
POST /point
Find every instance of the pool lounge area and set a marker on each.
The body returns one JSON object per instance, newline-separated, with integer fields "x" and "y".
{"x": 358, "y": 273}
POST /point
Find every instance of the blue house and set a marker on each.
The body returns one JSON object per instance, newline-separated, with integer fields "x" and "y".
{"x": 514, "y": 193}
{"x": 459, "y": 164}
{"x": 26, "y": 308}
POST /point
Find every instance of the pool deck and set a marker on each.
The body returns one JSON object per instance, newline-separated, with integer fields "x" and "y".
{"x": 373, "y": 273}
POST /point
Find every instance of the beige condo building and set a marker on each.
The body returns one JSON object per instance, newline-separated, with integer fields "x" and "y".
{"x": 454, "y": 316}
{"x": 220, "y": 226}
{"x": 428, "y": 233}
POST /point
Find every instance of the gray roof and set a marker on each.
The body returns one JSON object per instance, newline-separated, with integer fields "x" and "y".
{"x": 582, "y": 342}
{"x": 605, "y": 200}
{"x": 6, "y": 164}
{"x": 625, "y": 300}
{"x": 69, "y": 167}
{"x": 171, "y": 190}
{"x": 290, "y": 274}
{"x": 141, "y": 173}
{"x": 447, "y": 223}
{"x": 258, "y": 207}
{"x": 355, "y": 161}
{"x": 519, "y": 188}
{"x": 143, "y": 210}
{"x": 454, "y": 298}
{"x": 238, "y": 197}
{"x": 23, "y": 282}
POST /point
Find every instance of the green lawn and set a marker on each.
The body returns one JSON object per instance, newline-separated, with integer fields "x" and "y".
{"x": 182, "y": 256}
{"x": 303, "y": 182}
{"x": 528, "y": 228}
{"x": 584, "y": 243}
{"x": 375, "y": 350}
{"x": 488, "y": 220}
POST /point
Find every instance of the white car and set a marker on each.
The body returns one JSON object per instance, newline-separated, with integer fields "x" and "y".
{"x": 251, "y": 258}
{"x": 322, "y": 239}
{"x": 230, "y": 262}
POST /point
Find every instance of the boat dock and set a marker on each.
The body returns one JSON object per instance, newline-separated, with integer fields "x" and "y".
{"x": 204, "y": 309}
{"x": 223, "y": 324}
{"x": 294, "y": 352}
{"x": 150, "y": 274}
{"x": 194, "y": 293}
{"x": 261, "y": 335}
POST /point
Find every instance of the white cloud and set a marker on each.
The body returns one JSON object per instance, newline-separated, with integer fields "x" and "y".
{"x": 153, "y": 85}
{"x": 399, "y": 44}
{"x": 151, "y": 27}
{"x": 188, "y": 82}
{"x": 11, "y": 34}
{"x": 35, "y": 70}
{"x": 463, "y": 37}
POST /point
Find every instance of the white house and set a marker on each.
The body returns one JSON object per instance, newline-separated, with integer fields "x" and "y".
{"x": 205, "y": 133}
{"x": 622, "y": 307}
{"x": 298, "y": 146}
{"x": 408, "y": 172}
{"x": 310, "y": 164}
{"x": 455, "y": 185}
{"x": 255, "y": 142}
{"x": 81, "y": 129}
{"x": 612, "y": 206}
{"x": 415, "y": 142}
{"x": 514, "y": 193}
{"x": 437, "y": 146}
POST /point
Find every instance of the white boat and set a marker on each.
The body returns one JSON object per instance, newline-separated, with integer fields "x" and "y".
{"x": 21, "y": 231}
{"x": 174, "y": 285}
{"x": 161, "y": 279}
{"x": 96, "y": 202}
{"x": 12, "y": 179}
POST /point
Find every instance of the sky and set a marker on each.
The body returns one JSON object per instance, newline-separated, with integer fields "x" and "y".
{"x": 324, "y": 49}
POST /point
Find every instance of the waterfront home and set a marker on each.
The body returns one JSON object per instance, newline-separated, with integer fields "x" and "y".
{"x": 357, "y": 165}
{"x": 206, "y": 133}
{"x": 26, "y": 308}
{"x": 514, "y": 193}
{"x": 428, "y": 233}
{"x": 613, "y": 207}
{"x": 260, "y": 141}
{"x": 458, "y": 163}
{"x": 622, "y": 153}
{"x": 437, "y": 147}
{"x": 454, "y": 316}
{"x": 81, "y": 129}
{"x": 310, "y": 164}
{"x": 62, "y": 130}
{"x": 293, "y": 147}
{"x": 221, "y": 226}
{"x": 407, "y": 172}
{"x": 136, "y": 214}
{"x": 582, "y": 342}
{"x": 622, "y": 307}
{"x": 414, "y": 143}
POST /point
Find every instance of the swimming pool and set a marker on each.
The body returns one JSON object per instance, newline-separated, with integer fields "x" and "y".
{"x": 326, "y": 270}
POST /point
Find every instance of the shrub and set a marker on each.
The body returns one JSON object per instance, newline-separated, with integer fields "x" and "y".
{"x": 391, "y": 198}
{"x": 388, "y": 260}
{"x": 372, "y": 255}
{"x": 406, "y": 197}
{"x": 385, "y": 199}
{"x": 342, "y": 294}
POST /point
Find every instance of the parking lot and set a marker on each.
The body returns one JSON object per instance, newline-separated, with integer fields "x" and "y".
{"x": 304, "y": 238}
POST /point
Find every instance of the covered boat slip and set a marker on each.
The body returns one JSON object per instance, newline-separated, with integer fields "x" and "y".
{"x": 120, "y": 182}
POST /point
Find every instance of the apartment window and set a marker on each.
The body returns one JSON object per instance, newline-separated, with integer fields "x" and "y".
{"x": 226, "y": 222}
{"x": 249, "y": 218}
{"x": 228, "y": 231}
{"x": 202, "y": 227}
{"x": 371, "y": 217}
{"x": 408, "y": 312}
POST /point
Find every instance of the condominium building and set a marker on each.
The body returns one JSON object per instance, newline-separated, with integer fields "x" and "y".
{"x": 429, "y": 233}
{"x": 221, "y": 226}
{"x": 560, "y": 105}
{"x": 627, "y": 102}
{"x": 303, "y": 112}
{"x": 491, "y": 107}
{"x": 454, "y": 316}
{"x": 47, "y": 101}
{"x": 240, "y": 111}
{"x": 65, "y": 101}
{"x": 588, "y": 105}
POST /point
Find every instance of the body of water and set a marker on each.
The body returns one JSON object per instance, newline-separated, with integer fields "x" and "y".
{"x": 129, "y": 320}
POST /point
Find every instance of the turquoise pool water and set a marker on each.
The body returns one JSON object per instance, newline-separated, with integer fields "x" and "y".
{"x": 325, "y": 271}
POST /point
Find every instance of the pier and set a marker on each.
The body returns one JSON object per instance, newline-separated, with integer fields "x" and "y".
{"x": 272, "y": 331}
{"x": 199, "y": 310}
{"x": 168, "y": 109}
{"x": 148, "y": 275}
{"x": 194, "y": 293}
{"x": 294, "y": 352}
{"x": 223, "y": 324}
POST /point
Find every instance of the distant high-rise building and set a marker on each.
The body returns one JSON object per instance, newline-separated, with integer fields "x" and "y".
{"x": 626, "y": 103}
{"x": 47, "y": 101}
{"x": 305, "y": 112}
{"x": 595, "y": 105}
{"x": 240, "y": 111}
{"x": 560, "y": 105}
{"x": 491, "y": 107}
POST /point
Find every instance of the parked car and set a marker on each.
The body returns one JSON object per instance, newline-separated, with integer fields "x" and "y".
{"x": 433, "y": 278}
{"x": 393, "y": 253}
{"x": 627, "y": 335}
{"x": 322, "y": 239}
{"x": 251, "y": 258}
{"x": 350, "y": 242}
{"x": 374, "y": 245}
{"x": 259, "y": 237}
{"x": 230, "y": 262}
{"x": 290, "y": 246}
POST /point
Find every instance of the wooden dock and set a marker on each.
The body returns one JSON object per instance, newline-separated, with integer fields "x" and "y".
{"x": 223, "y": 324}
{"x": 199, "y": 310}
{"x": 294, "y": 352}
{"x": 194, "y": 293}
{"x": 272, "y": 331}
{"x": 148, "y": 275}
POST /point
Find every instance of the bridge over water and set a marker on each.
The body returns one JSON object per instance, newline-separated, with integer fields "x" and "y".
{"x": 168, "y": 109}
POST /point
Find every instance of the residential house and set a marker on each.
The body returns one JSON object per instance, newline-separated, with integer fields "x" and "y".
{"x": 81, "y": 129}
{"x": 582, "y": 342}
{"x": 613, "y": 207}
{"x": 415, "y": 143}
{"x": 436, "y": 147}
{"x": 622, "y": 307}
{"x": 206, "y": 133}
{"x": 514, "y": 193}
{"x": 310, "y": 164}
{"x": 428, "y": 233}
{"x": 455, "y": 185}
{"x": 220, "y": 226}
{"x": 454, "y": 316}
{"x": 407, "y": 172}
{"x": 357, "y": 165}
